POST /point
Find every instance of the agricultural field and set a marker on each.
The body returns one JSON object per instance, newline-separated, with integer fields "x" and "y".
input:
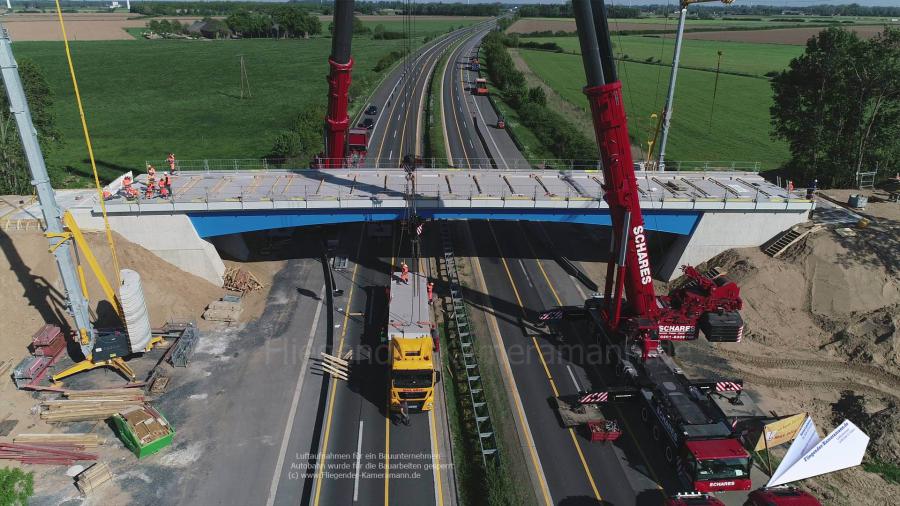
{"x": 528, "y": 25}
{"x": 739, "y": 129}
{"x": 422, "y": 25}
{"x": 741, "y": 57}
{"x": 796, "y": 36}
{"x": 79, "y": 26}
{"x": 144, "y": 100}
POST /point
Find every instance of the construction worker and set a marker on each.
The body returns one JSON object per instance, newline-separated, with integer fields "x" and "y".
{"x": 151, "y": 182}
{"x": 404, "y": 413}
{"x": 128, "y": 189}
{"x": 404, "y": 272}
{"x": 165, "y": 185}
{"x": 171, "y": 160}
{"x": 430, "y": 289}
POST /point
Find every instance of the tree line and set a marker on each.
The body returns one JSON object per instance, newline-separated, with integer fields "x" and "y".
{"x": 838, "y": 107}
{"x": 221, "y": 8}
{"x": 564, "y": 10}
{"x": 557, "y": 134}
{"x": 14, "y": 175}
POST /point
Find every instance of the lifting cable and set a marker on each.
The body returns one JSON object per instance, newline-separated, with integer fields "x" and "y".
{"x": 90, "y": 148}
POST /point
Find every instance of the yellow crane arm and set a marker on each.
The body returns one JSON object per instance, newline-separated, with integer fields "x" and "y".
{"x": 78, "y": 237}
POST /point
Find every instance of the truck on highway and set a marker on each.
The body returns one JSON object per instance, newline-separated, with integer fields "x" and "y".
{"x": 411, "y": 341}
{"x": 474, "y": 65}
{"x": 481, "y": 86}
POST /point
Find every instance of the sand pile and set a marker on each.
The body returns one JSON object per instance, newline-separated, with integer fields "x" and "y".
{"x": 32, "y": 292}
{"x": 832, "y": 293}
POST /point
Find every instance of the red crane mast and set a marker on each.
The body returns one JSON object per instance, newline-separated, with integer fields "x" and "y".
{"x": 337, "y": 122}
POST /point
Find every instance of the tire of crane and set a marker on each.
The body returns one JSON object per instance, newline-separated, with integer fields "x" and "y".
{"x": 655, "y": 432}
{"x": 620, "y": 371}
{"x": 670, "y": 454}
{"x": 644, "y": 415}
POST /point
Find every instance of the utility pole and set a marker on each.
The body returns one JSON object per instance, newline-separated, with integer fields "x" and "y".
{"x": 670, "y": 98}
{"x": 78, "y": 305}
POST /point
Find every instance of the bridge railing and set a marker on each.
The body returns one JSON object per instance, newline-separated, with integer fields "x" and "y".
{"x": 514, "y": 164}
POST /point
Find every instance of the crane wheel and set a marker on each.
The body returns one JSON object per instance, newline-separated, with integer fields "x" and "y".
{"x": 655, "y": 432}
{"x": 670, "y": 454}
{"x": 644, "y": 415}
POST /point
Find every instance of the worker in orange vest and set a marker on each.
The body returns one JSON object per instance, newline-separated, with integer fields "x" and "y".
{"x": 165, "y": 185}
{"x": 171, "y": 160}
{"x": 151, "y": 171}
{"x": 404, "y": 272}
{"x": 151, "y": 188}
{"x": 129, "y": 190}
{"x": 430, "y": 289}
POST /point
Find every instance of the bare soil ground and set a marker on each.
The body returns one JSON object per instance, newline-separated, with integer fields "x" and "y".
{"x": 79, "y": 26}
{"x": 794, "y": 36}
{"x": 822, "y": 337}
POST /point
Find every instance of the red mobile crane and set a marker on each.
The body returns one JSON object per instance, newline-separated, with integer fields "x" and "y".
{"x": 341, "y": 141}
{"x": 630, "y": 321}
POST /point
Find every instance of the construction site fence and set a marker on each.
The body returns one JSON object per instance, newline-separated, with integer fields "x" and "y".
{"x": 262, "y": 164}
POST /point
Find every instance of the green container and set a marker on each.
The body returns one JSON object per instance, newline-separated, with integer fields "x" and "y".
{"x": 129, "y": 433}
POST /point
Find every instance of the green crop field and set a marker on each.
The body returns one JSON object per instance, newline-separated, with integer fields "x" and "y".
{"x": 420, "y": 27}
{"x": 742, "y": 57}
{"x": 740, "y": 123}
{"x": 145, "y": 99}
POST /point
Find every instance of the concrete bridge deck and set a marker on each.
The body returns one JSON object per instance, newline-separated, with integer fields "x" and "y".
{"x": 448, "y": 188}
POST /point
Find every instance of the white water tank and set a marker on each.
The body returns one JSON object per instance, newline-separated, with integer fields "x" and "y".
{"x": 134, "y": 309}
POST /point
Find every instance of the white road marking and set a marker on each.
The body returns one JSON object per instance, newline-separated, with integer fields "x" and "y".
{"x": 572, "y": 375}
{"x": 395, "y": 132}
{"x": 391, "y": 154}
{"x": 358, "y": 462}
{"x": 273, "y": 488}
{"x": 525, "y": 272}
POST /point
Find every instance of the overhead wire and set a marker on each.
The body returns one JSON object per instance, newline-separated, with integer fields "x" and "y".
{"x": 90, "y": 147}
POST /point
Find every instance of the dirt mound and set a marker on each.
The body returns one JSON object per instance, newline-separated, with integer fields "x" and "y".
{"x": 32, "y": 292}
{"x": 884, "y": 429}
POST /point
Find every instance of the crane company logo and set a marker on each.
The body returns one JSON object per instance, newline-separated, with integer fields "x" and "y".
{"x": 640, "y": 245}
{"x": 676, "y": 329}
{"x": 721, "y": 483}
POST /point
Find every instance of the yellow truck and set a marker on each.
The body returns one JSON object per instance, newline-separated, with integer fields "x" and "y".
{"x": 409, "y": 334}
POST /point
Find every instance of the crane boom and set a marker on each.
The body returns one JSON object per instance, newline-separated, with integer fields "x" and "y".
{"x": 338, "y": 122}
{"x": 77, "y": 303}
{"x": 631, "y": 270}
{"x": 630, "y": 306}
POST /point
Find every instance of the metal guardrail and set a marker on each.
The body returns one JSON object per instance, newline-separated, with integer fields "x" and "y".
{"x": 465, "y": 341}
{"x": 262, "y": 164}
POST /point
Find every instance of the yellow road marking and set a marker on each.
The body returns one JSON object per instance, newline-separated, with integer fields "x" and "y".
{"x": 529, "y": 442}
{"x": 584, "y": 465}
{"x": 387, "y": 449}
{"x": 437, "y": 458}
{"x": 319, "y": 460}
{"x": 603, "y": 383}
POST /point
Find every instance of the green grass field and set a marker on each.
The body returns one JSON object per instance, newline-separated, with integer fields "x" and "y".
{"x": 740, "y": 123}
{"x": 747, "y": 58}
{"x": 737, "y": 21}
{"x": 420, "y": 27}
{"x": 145, "y": 99}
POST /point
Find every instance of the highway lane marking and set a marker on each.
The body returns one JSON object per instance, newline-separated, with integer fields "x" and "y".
{"x": 286, "y": 435}
{"x": 436, "y": 459}
{"x": 444, "y": 113}
{"x": 319, "y": 461}
{"x": 358, "y": 462}
{"x": 490, "y": 134}
{"x": 574, "y": 381}
{"x": 599, "y": 376}
{"x": 453, "y": 110}
{"x": 510, "y": 382}
{"x": 584, "y": 464}
{"x": 525, "y": 272}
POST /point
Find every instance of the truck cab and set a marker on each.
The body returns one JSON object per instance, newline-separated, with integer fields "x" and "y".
{"x": 717, "y": 464}
{"x": 409, "y": 334}
{"x": 481, "y": 86}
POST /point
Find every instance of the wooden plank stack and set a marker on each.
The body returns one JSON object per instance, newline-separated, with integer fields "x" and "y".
{"x": 76, "y": 440}
{"x": 91, "y": 478}
{"x": 90, "y": 404}
{"x": 240, "y": 280}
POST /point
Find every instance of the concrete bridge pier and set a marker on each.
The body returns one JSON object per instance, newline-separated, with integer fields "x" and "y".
{"x": 717, "y": 232}
{"x": 171, "y": 237}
